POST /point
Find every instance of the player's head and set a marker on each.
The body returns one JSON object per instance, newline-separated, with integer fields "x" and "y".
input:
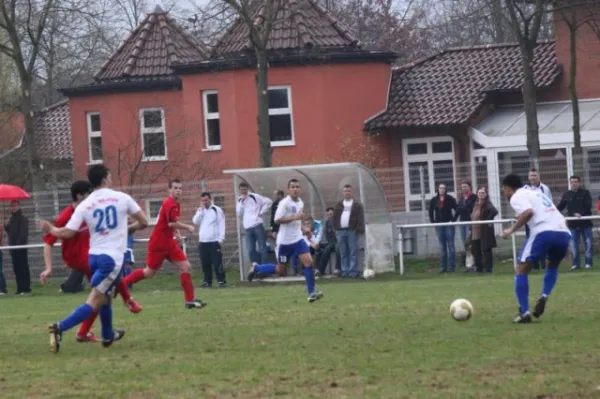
{"x": 206, "y": 199}
{"x": 442, "y": 189}
{"x": 482, "y": 193}
{"x": 575, "y": 183}
{"x": 347, "y": 191}
{"x": 510, "y": 184}
{"x": 293, "y": 188}
{"x": 244, "y": 188}
{"x": 175, "y": 188}
{"x": 329, "y": 212}
{"x": 99, "y": 176}
{"x": 80, "y": 189}
{"x": 466, "y": 187}
{"x": 534, "y": 177}
{"x": 278, "y": 194}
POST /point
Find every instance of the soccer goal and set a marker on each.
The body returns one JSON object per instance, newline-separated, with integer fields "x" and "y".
{"x": 322, "y": 187}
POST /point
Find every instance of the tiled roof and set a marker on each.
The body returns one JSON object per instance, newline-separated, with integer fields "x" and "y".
{"x": 298, "y": 25}
{"x": 52, "y": 134}
{"x": 449, "y": 87}
{"x": 150, "y": 50}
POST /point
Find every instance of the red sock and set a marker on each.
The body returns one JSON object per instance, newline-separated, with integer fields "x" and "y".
{"x": 123, "y": 291}
{"x": 134, "y": 277}
{"x": 188, "y": 288}
{"x": 86, "y": 326}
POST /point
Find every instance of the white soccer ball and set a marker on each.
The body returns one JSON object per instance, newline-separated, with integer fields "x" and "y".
{"x": 368, "y": 274}
{"x": 461, "y": 310}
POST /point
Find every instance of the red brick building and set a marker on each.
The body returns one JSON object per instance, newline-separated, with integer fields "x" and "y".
{"x": 163, "y": 105}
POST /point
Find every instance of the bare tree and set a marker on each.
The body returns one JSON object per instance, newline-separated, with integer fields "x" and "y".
{"x": 259, "y": 17}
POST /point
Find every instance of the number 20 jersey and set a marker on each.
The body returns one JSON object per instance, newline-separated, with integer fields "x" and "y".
{"x": 105, "y": 211}
{"x": 545, "y": 215}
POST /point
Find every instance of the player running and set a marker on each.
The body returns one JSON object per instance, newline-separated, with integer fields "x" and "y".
{"x": 75, "y": 255}
{"x": 290, "y": 241}
{"x": 163, "y": 246}
{"x": 548, "y": 239}
{"x": 105, "y": 212}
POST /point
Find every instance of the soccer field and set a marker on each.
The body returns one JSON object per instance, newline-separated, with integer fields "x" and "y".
{"x": 387, "y": 338}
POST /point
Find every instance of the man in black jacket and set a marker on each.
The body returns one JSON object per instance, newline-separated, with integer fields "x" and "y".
{"x": 442, "y": 209}
{"x": 17, "y": 229}
{"x": 464, "y": 210}
{"x": 578, "y": 202}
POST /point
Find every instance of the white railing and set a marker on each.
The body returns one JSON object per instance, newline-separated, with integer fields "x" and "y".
{"x": 30, "y": 246}
{"x": 469, "y": 223}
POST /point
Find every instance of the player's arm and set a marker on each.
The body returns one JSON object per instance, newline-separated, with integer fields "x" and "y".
{"x": 176, "y": 224}
{"x": 66, "y": 232}
{"x": 47, "y": 272}
{"x": 524, "y": 209}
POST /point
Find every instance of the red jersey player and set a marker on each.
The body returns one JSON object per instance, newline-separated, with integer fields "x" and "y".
{"x": 75, "y": 255}
{"x": 163, "y": 246}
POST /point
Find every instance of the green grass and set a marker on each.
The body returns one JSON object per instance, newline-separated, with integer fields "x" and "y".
{"x": 387, "y": 338}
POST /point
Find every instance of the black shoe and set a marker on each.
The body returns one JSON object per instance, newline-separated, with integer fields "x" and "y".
{"x": 222, "y": 284}
{"x": 523, "y": 318}
{"x": 206, "y": 285}
{"x": 117, "y": 335}
{"x": 195, "y": 304}
{"x": 540, "y": 306}
{"x": 55, "y": 337}
{"x": 252, "y": 274}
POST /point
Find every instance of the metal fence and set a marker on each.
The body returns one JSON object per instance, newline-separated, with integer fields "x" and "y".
{"x": 408, "y": 192}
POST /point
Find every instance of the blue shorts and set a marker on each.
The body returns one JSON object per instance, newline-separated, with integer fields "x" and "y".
{"x": 105, "y": 273}
{"x": 285, "y": 252}
{"x": 551, "y": 245}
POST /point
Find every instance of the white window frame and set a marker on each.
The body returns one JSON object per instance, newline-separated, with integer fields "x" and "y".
{"x": 152, "y": 220}
{"x": 221, "y": 197}
{"x": 284, "y": 111}
{"x": 210, "y": 116}
{"x": 428, "y": 158}
{"x": 144, "y": 130}
{"x": 90, "y": 135}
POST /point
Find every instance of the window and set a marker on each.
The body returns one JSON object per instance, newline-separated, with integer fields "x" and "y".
{"x": 154, "y": 139}
{"x": 153, "y": 209}
{"x": 94, "y": 137}
{"x": 435, "y": 158}
{"x": 212, "y": 127}
{"x": 281, "y": 128}
{"x": 218, "y": 200}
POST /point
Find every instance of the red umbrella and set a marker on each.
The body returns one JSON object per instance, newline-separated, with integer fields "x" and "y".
{"x": 10, "y": 193}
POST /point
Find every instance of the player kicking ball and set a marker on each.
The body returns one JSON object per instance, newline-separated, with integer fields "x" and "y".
{"x": 163, "y": 246}
{"x": 75, "y": 256}
{"x": 548, "y": 239}
{"x": 105, "y": 213}
{"x": 290, "y": 241}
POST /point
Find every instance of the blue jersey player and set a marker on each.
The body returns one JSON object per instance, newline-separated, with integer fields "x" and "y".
{"x": 105, "y": 212}
{"x": 548, "y": 239}
{"x": 290, "y": 241}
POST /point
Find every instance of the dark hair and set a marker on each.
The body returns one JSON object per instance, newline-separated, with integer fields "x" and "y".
{"x": 468, "y": 183}
{"x": 513, "y": 181}
{"x": 205, "y": 194}
{"x": 292, "y": 181}
{"x": 329, "y": 209}
{"x": 243, "y": 184}
{"x": 484, "y": 188}
{"x": 173, "y": 181}
{"x": 575, "y": 177}
{"x": 347, "y": 186}
{"x": 533, "y": 170}
{"x": 80, "y": 187}
{"x": 97, "y": 173}
{"x": 280, "y": 193}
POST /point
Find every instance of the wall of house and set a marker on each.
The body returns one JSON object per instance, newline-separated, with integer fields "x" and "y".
{"x": 329, "y": 106}
{"x": 588, "y": 51}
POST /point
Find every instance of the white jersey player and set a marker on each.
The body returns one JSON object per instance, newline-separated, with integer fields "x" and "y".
{"x": 290, "y": 241}
{"x": 548, "y": 239}
{"x": 105, "y": 211}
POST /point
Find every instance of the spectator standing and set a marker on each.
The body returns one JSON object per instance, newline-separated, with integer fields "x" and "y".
{"x": 327, "y": 245}
{"x": 17, "y": 229}
{"x": 578, "y": 202}
{"x": 251, "y": 207}
{"x": 349, "y": 222}
{"x": 536, "y": 184}
{"x": 277, "y": 197}
{"x": 465, "y": 209}
{"x": 442, "y": 209}
{"x": 483, "y": 236}
{"x": 3, "y": 290}
{"x": 211, "y": 221}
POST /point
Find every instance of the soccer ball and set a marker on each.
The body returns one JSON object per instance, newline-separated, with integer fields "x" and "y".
{"x": 461, "y": 310}
{"x": 368, "y": 274}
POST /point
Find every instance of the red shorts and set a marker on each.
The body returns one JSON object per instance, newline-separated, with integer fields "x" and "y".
{"x": 156, "y": 257}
